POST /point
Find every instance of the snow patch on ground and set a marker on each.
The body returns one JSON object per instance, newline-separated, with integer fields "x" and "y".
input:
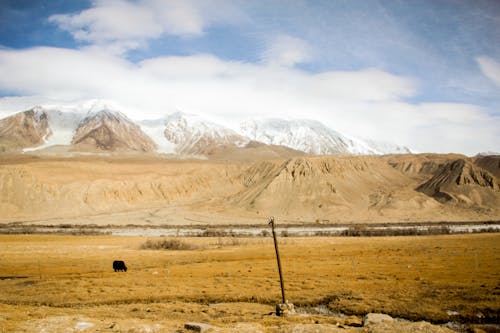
{"x": 83, "y": 325}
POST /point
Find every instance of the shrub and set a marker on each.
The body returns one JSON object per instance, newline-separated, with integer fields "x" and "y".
{"x": 233, "y": 241}
{"x": 167, "y": 244}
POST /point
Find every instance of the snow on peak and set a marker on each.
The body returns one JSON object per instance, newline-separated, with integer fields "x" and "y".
{"x": 37, "y": 113}
{"x": 306, "y": 135}
{"x": 189, "y": 134}
{"x": 179, "y": 126}
{"x": 106, "y": 115}
{"x": 183, "y": 133}
{"x": 96, "y": 105}
{"x": 37, "y": 109}
{"x": 313, "y": 137}
{"x": 111, "y": 130}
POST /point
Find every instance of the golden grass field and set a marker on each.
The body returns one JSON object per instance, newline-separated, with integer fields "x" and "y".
{"x": 48, "y": 280}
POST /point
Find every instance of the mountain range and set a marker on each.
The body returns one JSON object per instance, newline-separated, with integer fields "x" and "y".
{"x": 104, "y": 130}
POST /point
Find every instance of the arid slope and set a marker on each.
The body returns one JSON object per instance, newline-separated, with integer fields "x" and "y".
{"x": 489, "y": 163}
{"x": 323, "y": 189}
{"x": 461, "y": 181}
{"x": 328, "y": 188}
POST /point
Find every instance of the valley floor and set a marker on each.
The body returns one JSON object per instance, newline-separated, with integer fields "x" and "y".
{"x": 61, "y": 283}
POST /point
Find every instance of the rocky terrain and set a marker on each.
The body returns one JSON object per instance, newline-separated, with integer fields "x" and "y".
{"x": 371, "y": 323}
{"x": 111, "y": 131}
{"x": 460, "y": 180}
{"x": 489, "y": 163}
{"x": 25, "y": 129}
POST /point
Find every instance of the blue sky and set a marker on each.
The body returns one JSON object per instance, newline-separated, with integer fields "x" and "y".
{"x": 421, "y": 73}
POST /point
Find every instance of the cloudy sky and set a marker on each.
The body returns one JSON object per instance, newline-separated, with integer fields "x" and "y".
{"x": 420, "y": 73}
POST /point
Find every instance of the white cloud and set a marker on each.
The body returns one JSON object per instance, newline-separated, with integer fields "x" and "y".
{"x": 284, "y": 50}
{"x": 110, "y": 20}
{"x": 433, "y": 127}
{"x": 132, "y": 23}
{"x": 490, "y": 68}
{"x": 363, "y": 85}
{"x": 368, "y": 103}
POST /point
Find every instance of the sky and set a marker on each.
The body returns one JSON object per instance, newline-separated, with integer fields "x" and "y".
{"x": 425, "y": 74}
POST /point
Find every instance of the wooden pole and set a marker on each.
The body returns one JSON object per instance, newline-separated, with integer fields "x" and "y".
{"x": 271, "y": 223}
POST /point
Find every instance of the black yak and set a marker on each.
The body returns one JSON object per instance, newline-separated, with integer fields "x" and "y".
{"x": 119, "y": 265}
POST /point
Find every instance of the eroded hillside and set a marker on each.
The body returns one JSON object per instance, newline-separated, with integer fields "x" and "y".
{"x": 310, "y": 189}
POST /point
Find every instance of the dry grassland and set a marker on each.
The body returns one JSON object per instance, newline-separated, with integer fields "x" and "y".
{"x": 225, "y": 280}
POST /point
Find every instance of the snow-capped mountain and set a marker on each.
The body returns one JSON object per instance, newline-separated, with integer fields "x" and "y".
{"x": 111, "y": 131}
{"x": 95, "y": 126}
{"x": 306, "y": 135}
{"x": 313, "y": 137}
{"x": 190, "y": 134}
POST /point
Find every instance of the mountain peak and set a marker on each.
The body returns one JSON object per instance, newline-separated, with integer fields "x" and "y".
{"x": 313, "y": 137}
{"x": 96, "y": 105}
{"x": 106, "y": 114}
{"x": 37, "y": 109}
{"x": 192, "y": 134}
{"x": 24, "y": 129}
{"x": 105, "y": 129}
{"x": 306, "y": 135}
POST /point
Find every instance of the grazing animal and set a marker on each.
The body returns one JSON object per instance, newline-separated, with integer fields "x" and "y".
{"x": 119, "y": 265}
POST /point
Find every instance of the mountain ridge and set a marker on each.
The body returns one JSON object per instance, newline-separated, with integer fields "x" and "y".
{"x": 112, "y": 131}
{"x": 29, "y": 128}
{"x": 108, "y": 130}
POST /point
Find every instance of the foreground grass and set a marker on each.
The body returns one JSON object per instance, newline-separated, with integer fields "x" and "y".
{"x": 427, "y": 277}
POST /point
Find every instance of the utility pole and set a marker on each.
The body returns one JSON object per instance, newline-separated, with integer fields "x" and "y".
{"x": 284, "y": 309}
{"x": 271, "y": 223}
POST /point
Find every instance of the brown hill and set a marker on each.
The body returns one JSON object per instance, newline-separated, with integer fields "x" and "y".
{"x": 23, "y": 130}
{"x": 148, "y": 189}
{"x": 420, "y": 166}
{"x": 490, "y": 163}
{"x": 72, "y": 187}
{"x": 329, "y": 188}
{"x": 460, "y": 181}
{"x": 254, "y": 151}
{"x": 111, "y": 131}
